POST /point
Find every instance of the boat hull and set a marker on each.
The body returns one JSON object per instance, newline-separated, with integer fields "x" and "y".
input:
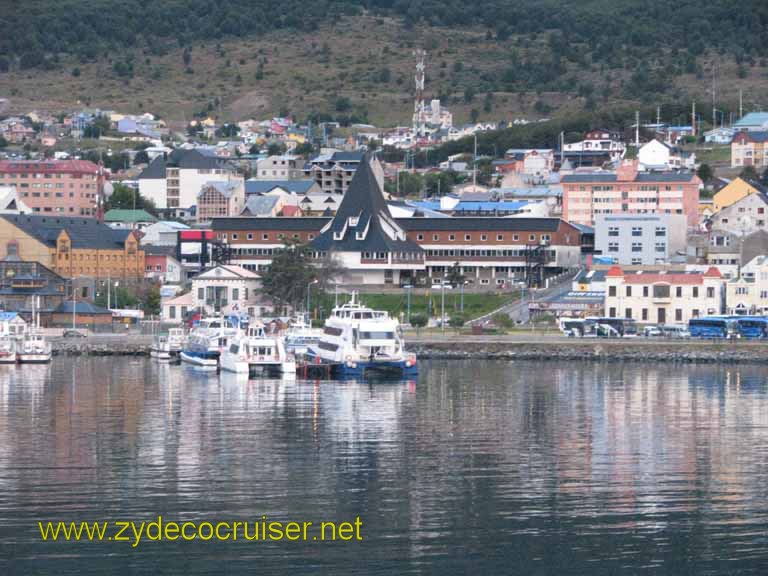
{"x": 43, "y": 358}
{"x": 400, "y": 368}
{"x": 257, "y": 368}
{"x": 8, "y": 358}
{"x": 160, "y": 354}
{"x": 208, "y": 361}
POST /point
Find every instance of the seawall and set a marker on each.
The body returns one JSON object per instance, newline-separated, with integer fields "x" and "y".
{"x": 514, "y": 347}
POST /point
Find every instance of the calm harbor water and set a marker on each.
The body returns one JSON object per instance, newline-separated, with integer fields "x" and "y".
{"x": 476, "y": 468}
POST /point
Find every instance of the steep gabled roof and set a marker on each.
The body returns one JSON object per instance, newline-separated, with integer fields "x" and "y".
{"x": 363, "y": 222}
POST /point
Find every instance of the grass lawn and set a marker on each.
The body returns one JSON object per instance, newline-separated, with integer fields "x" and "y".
{"x": 397, "y": 304}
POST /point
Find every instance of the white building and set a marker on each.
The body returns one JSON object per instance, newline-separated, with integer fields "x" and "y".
{"x": 175, "y": 181}
{"x": 747, "y": 215}
{"x": 599, "y": 141}
{"x": 10, "y": 203}
{"x": 657, "y": 155}
{"x": 228, "y": 289}
{"x": 748, "y": 294}
{"x": 663, "y": 297}
{"x": 640, "y": 239}
{"x": 279, "y": 167}
{"x": 163, "y": 233}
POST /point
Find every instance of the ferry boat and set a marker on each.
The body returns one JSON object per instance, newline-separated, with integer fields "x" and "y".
{"x": 34, "y": 349}
{"x": 177, "y": 337}
{"x": 205, "y": 342}
{"x": 359, "y": 341}
{"x": 300, "y": 336}
{"x": 252, "y": 351}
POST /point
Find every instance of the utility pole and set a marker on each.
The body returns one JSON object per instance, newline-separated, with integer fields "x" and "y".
{"x": 109, "y": 286}
{"x": 693, "y": 117}
{"x": 741, "y": 103}
{"x": 637, "y": 128}
{"x": 474, "y": 167}
{"x": 658, "y": 116}
{"x": 714, "y": 109}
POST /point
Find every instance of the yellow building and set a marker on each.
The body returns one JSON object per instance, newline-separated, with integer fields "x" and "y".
{"x": 731, "y": 193}
{"x": 72, "y": 247}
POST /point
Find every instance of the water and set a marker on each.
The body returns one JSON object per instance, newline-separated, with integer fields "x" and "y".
{"x": 477, "y": 468}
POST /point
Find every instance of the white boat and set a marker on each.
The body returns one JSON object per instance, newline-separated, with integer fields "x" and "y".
{"x": 252, "y": 351}
{"x": 177, "y": 337}
{"x": 357, "y": 341}
{"x": 34, "y": 349}
{"x": 300, "y": 336}
{"x": 160, "y": 349}
{"x": 206, "y": 341}
{"x": 7, "y": 350}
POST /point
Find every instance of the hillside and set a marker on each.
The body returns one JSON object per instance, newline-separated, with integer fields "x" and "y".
{"x": 353, "y": 60}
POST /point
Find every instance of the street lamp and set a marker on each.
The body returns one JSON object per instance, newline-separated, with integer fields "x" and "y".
{"x": 442, "y": 304}
{"x": 309, "y": 314}
{"x": 407, "y": 288}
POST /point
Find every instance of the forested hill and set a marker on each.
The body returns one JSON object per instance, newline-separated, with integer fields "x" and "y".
{"x": 352, "y": 60}
{"x": 36, "y": 31}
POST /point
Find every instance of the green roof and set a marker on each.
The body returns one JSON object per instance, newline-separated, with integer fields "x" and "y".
{"x": 125, "y": 215}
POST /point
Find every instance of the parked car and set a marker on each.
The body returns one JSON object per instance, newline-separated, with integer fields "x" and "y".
{"x": 73, "y": 334}
{"x": 675, "y": 332}
{"x": 652, "y": 332}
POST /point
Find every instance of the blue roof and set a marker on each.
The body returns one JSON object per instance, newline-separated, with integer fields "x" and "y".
{"x": 81, "y": 308}
{"x": 752, "y": 119}
{"x": 7, "y": 316}
{"x": 501, "y": 206}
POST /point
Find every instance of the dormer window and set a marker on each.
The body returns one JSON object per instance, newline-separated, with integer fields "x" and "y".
{"x": 353, "y": 220}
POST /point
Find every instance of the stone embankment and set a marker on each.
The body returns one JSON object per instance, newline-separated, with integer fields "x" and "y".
{"x": 514, "y": 347}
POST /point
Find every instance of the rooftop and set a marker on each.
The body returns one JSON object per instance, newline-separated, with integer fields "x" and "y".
{"x": 126, "y": 215}
{"x": 83, "y": 232}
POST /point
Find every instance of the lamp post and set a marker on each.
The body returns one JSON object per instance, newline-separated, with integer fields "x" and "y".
{"x": 309, "y": 313}
{"x": 442, "y": 306}
{"x": 408, "y": 300}
{"x": 461, "y": 289}
{"x": 74, "y": 323}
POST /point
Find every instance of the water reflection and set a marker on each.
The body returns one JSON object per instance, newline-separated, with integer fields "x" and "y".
{"x": 478, "y": 467}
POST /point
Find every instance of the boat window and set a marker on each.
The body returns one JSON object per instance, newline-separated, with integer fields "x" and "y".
{"x": 328, "y": 346}
{"x": 333, "y": 331}
{"x": 234, "y": 349}
{"x": 377, "y": 335}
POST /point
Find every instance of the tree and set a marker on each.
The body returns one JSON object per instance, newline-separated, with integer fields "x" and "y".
{"x": 749, "y": 173}
{"x": 141, "y": 157}
{"x": 227, "y": 130}
{"x": 291, "y": 272}
{"x": 342, "y": 104}
{"x": 454, "y": 276}
{"x": 705, "y": 172}
{"x": 418, "y": 321}
{"x": 125, "y": 197}
{"x": 304, "y": 149}
{"x": 474, "y": 114}
{"x": 456, "y": 322}
{"x": 3, "y": 142}
{"x": 275, "y": 149}
{"x": 151, "y": 301}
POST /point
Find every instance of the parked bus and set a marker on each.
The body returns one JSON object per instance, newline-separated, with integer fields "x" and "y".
{"x": 711, "y": 327}
{"x": 751, "y": 327}
{"x": 598, "y": 326}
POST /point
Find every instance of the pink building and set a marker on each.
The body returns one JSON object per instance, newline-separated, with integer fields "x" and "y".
{"x": 64, "y": 187}
{"x": 586, "y": 195}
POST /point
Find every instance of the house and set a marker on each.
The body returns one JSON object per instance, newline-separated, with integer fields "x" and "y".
{"x": 752, "y": 122}
{"x": 664, "y": 297}
{"x": 270, "y": 205}
{"x": 217, "y": 199}
{"x": 657, "y": 155}
{"x": 333, "y": 171}
{"x": 601, "y": 141}
{"x": 162, "y": 233}
{"x": 627, "y": 190}
{"x": 748, "y": 294}
{"x": 640, "y": 239}
{"x": 72, "y": 246}
{"x": 749, "y": 149}
{"x": 13, "y": 324}
{"x": 744, "y": 216}
{"x": 10, "y": 203}
{"x": 126, "y": 219}
{"x": 732, "y": 192}
{"x": 175, "y": 181}
{"x": 721, "y": 135}
{"x": 176, "y": 309}
{"x": 535, "y": 165}
{"x": 229, "y": 289}
{"x": 61, "y": 187}
{"x": 161, "y": 265}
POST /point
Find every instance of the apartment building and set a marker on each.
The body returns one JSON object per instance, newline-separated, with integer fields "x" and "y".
{"x": 749, "y": 149}
{"x": 279, "y": 167}
{"x": 176, "y": 180}
{"x": 663, "y": 297}
{"x": 61, "y": 187}
{"x": 640, "y": 239}
{"x": 333, "y": 171}
{"x": 628, "y": 191}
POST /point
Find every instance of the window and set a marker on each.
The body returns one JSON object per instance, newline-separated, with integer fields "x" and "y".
{"x": 637, "y": 246}
{"x": 678, "y": 315}
{"x": 171, "y": 312}
{"x": 637, "y": 231}
{"x": 532, "y": 237}
{"x": 613, "y": 231}
{"x": 629, "y": 291}
{"x": 637, "y": 261}
{"x": 661, "y": 247}
{"x": 235, "y": 294}
{"x": 679, "y": 291}
{"x": 661, "y": 291}
{"x": 234, "y": 236}
{"x": 711, "y": 292}
{"x": 628, "y": 313}
{"x": 435, "y": 237}
{"x": 545, "y": 237}
{"x": 515, "y": 237}
{"x": 499, "y": 237}
{"x": 419, "y": 236}
{"x": 467, "y": 237}
{"x": 695, "y": 291}
{"x": 451, "y": 237}
{"x": 645, "y": 313}
{"x": 661, "y": 231}
{"x": 201, "y": 293}
{"x": 612, "y": 312}
{"x": 613, "y": 247}
{"x": 611, "y": 290}
{"x": 249, "y": 236}
{"x": 483, "y": 237}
